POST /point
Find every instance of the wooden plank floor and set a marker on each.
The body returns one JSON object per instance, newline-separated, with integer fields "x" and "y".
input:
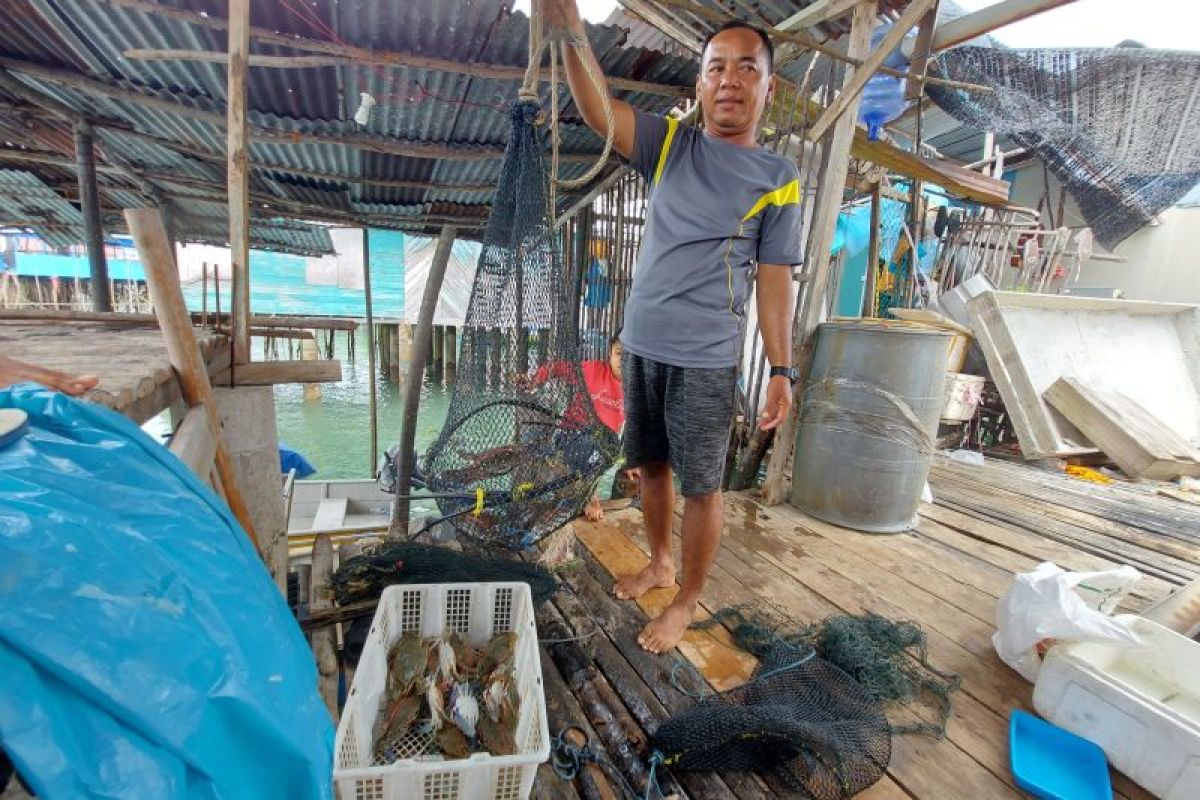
{"x": 985, "y": 524}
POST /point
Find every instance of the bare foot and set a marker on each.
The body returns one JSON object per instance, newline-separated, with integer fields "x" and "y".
{"x": 664, "y": 631}
{"x": 651, "y": 576}
{"x": 593, "y": 511}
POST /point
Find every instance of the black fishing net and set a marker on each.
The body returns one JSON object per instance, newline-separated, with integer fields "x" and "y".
{"x": 888, "y": 659}
{"x": 1115, "y": 126}
{"x": 798, "y": 717}
{"x": 365, "y": 576}
{"x": 521, "y": 447}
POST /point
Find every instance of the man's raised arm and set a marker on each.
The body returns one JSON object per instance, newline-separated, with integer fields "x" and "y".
{"x": 562, "y": 16}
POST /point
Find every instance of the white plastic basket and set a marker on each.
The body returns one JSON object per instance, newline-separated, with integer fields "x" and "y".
{"x": 479, "y": 611}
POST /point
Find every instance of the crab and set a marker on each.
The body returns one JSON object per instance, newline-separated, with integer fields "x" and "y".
{"x": 406, "y": 665}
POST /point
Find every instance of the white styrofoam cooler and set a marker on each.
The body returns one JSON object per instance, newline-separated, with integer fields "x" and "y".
{"x": 479, "y": 611}
{"x": 1140, "y": 704}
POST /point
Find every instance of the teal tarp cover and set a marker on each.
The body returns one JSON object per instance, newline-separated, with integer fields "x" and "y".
{"x": 144, "y": 648}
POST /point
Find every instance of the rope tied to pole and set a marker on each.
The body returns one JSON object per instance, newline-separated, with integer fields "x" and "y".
{"x": 539, "y": 44}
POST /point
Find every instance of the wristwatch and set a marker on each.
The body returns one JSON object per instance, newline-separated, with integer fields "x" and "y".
{"x": 791, "y": 373}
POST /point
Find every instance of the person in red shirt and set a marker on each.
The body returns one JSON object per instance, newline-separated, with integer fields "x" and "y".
{"x": 603, "y": 381}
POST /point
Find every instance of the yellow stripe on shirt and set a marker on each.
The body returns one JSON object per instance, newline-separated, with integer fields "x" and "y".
{"x": 672, "y": 124}
{"x": 788, "y": 194}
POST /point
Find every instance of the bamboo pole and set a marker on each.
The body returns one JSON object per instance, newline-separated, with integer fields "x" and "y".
{"x": 239, "y": 180}
{"x": 406, "y": 458}
{"x": 374, "y": 411}
{"x": 817, "y": 267}
{"x": 162, "y": 277}
{"x": 872, "y": 253}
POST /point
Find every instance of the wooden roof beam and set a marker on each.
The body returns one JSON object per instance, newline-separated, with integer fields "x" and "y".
{"x": 853, "y": 88}
{"x": 988, "y": 19}
{"x": 344, "y": 55}
{"x": 377, "y": 144}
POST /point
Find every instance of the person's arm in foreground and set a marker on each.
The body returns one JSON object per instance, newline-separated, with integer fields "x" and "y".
{"x": 773, "y": 289}
{"x": 562, "y": 16}
{"x": 14, "y": 371}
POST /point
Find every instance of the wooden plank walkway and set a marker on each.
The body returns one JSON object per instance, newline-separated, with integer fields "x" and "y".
{"x": 985, "y": 524}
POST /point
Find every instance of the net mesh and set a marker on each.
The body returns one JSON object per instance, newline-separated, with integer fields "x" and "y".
{"x": 521, "y": 443}
{"x": 365, "y": 576}
{"x": 1115, "y": 126}
{"x": 798, "y": 717}
{"x": 888, "y": 659}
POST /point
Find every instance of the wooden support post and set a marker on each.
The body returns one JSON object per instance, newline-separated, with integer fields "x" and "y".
{"x": 406, "y": 458}
{"x": 371, "y": 376}
{"x": 919, "y": 63}
{"x": 451, "y": 353}
{"x": 872, "y": 253}
{"x": 437, "y": 351}
{"x": 89, "y": 202}
{"x": 146, "y": 227}
{"x": 204, "y": 294}
{"x": 851, "y": 92}
{"x": 239, "y": 185}
{"x": 827, "y": 206}
{"x": 987, "y": 19}
{"x": 324, "y": 643}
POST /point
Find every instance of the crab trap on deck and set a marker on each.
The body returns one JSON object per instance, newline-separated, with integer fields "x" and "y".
{"x": 479, "y": 612}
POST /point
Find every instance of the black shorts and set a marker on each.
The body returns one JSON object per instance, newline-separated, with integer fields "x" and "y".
{"x": 678, "y": 415}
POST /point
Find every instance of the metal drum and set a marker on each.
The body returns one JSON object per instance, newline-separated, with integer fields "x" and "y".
{"x": 868, "y": 421}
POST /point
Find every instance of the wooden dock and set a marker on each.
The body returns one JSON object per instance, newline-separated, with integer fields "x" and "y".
{"x": 985, "y": 524}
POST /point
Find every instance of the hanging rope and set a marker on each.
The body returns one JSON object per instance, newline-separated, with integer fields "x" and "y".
{"x": 538, "y": 45}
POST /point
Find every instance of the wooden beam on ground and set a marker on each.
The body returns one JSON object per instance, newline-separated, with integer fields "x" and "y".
{"x": 267, "y": 373}
{"x": 827, "y": 206}
{"x": 237, "y": 149}
{"x": 194, "y": 442}
{"x": 852, "y": 89}
{"x": 162, "y": 277}
{"x": 406, "y": 459}
{"x": 988, "y": 19}
{"x": 919, "y": 62}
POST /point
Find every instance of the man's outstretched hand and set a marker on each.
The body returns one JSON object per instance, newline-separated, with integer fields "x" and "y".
{"x": 778, "y": 404}
{"x": 560, "y": 16}
{"x": 14, "y": 371}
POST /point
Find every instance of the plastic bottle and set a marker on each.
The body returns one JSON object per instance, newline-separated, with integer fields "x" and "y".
{"x": 883, "y": 96}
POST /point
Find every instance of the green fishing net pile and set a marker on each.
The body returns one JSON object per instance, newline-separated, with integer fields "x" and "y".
{"x": 889, "y": 659}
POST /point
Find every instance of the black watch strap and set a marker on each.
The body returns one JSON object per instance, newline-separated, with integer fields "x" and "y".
{"x": 791, "y": 373}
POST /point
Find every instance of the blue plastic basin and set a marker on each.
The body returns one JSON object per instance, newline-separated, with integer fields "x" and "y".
{"x": 1055, "y": 764}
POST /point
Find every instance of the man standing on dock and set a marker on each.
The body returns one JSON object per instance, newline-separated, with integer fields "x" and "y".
{"x": 720, "y": 206}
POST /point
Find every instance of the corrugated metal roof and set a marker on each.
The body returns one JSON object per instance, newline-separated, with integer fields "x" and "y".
{"x": 26, "y": 200}
{"x": 414, "y": 104}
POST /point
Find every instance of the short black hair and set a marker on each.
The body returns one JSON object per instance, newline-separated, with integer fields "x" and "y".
{"x": 737, "y": 23}
{"x": 614, "y": 340}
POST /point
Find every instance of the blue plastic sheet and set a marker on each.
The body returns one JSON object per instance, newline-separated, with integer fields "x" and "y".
{"x": 290, "y": 459}
{"x": 144, "y": 650}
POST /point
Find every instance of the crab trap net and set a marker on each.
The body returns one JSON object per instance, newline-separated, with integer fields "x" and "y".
{"x": 521, "y": 449}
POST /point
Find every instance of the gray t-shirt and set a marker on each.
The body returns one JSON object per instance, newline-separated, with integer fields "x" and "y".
{"x": 715, "y": 211}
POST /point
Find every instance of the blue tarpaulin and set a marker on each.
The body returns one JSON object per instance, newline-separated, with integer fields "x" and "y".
{"x": 144, "y": 648}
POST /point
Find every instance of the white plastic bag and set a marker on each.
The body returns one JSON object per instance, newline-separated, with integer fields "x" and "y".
{"x": 1051, "y": 604}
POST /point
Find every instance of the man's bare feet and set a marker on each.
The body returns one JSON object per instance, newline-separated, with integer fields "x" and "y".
{"x": 664, "y": 631}
{"x": 651, "y": 576}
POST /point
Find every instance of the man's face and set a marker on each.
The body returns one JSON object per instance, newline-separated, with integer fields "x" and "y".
{"x": 735, "y": 82}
